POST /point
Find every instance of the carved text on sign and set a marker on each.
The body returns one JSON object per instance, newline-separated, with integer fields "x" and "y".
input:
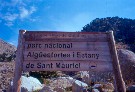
{"x": 56, "y": 50}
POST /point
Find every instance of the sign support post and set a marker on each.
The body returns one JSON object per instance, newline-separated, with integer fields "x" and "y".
{"x": 116, "y": 66}
{"x": 18, "y": 63}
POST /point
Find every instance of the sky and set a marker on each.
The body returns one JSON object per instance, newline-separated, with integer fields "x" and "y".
{"x": 57, "y": 15}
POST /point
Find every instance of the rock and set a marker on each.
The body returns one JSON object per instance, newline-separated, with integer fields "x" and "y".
{"x": 131, "y": 88}
{"x": 46, "y": 89}
{"x": 59, "y": 89}
{"x": 31, "y": 83}
{"x": 23, "y": 89}
{"x": 85, "y": 76}
{"x": 6, "y": 69}
{"x": 95, "y": 90}
{"x": 127, "y": 64}
{"x": 104, "y": 87}
{"x": 62, "y": 82}
{"x": 6, "y": 47}
{"x": 79, "y": 86}
{"x": 97, "y": 85}
{"x": 126, "y": 55}
{"x": 108, "y": 87}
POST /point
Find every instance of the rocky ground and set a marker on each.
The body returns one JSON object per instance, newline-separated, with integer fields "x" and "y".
{"x": 6, "y": 74}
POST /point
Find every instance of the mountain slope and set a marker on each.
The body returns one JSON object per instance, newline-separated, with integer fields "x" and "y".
{"x": 124, "y": 29}
{"x": 7, "y": 51}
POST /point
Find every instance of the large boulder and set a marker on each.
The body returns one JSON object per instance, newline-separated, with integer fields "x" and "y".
{"x": 127, "y": 63}
{"x": 30, "y": 83}
{"x": 126, "y": 55}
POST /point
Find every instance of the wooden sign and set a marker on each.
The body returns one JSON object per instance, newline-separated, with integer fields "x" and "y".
{"x": 67, "y": 51}
{"x": 66, "y": 47}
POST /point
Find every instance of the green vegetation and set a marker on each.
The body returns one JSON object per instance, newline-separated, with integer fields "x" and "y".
{"x": 124, "y": 29}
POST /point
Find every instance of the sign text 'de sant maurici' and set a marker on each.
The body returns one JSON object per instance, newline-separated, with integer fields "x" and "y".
{"x": 66, "y": 51}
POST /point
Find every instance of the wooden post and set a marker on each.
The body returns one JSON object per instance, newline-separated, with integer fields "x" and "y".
{"x": 18, "y": 63}
{"x": 116, "y": 66}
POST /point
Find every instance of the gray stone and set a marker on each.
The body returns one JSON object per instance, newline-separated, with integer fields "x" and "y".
{"x": 127, "y": 64}
{"x": 126, "y": 55}
{"x": 59, "y": 89}
{"x": 95, "y": 90}
{"x": 79, "y": 86}
{"x": 46, "y": 89}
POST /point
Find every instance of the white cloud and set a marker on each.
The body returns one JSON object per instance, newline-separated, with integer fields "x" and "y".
{"x": 23, "y": 13}
{"x": 10, "y": 17}
{"x": 9, "y": 24}
{"x": 16, "y": 10}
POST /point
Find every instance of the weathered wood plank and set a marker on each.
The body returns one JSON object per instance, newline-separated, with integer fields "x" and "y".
{"x": 67, "y": 66}
{"x": 67, "y": 55}
{"x": 89, "y": 46}
{"x": 73, "y": 40}
{"x": 65, "y": 36}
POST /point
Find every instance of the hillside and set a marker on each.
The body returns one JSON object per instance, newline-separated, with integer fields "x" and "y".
{"x": 124, "y": 29}
{"x": 7, "y": 51}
